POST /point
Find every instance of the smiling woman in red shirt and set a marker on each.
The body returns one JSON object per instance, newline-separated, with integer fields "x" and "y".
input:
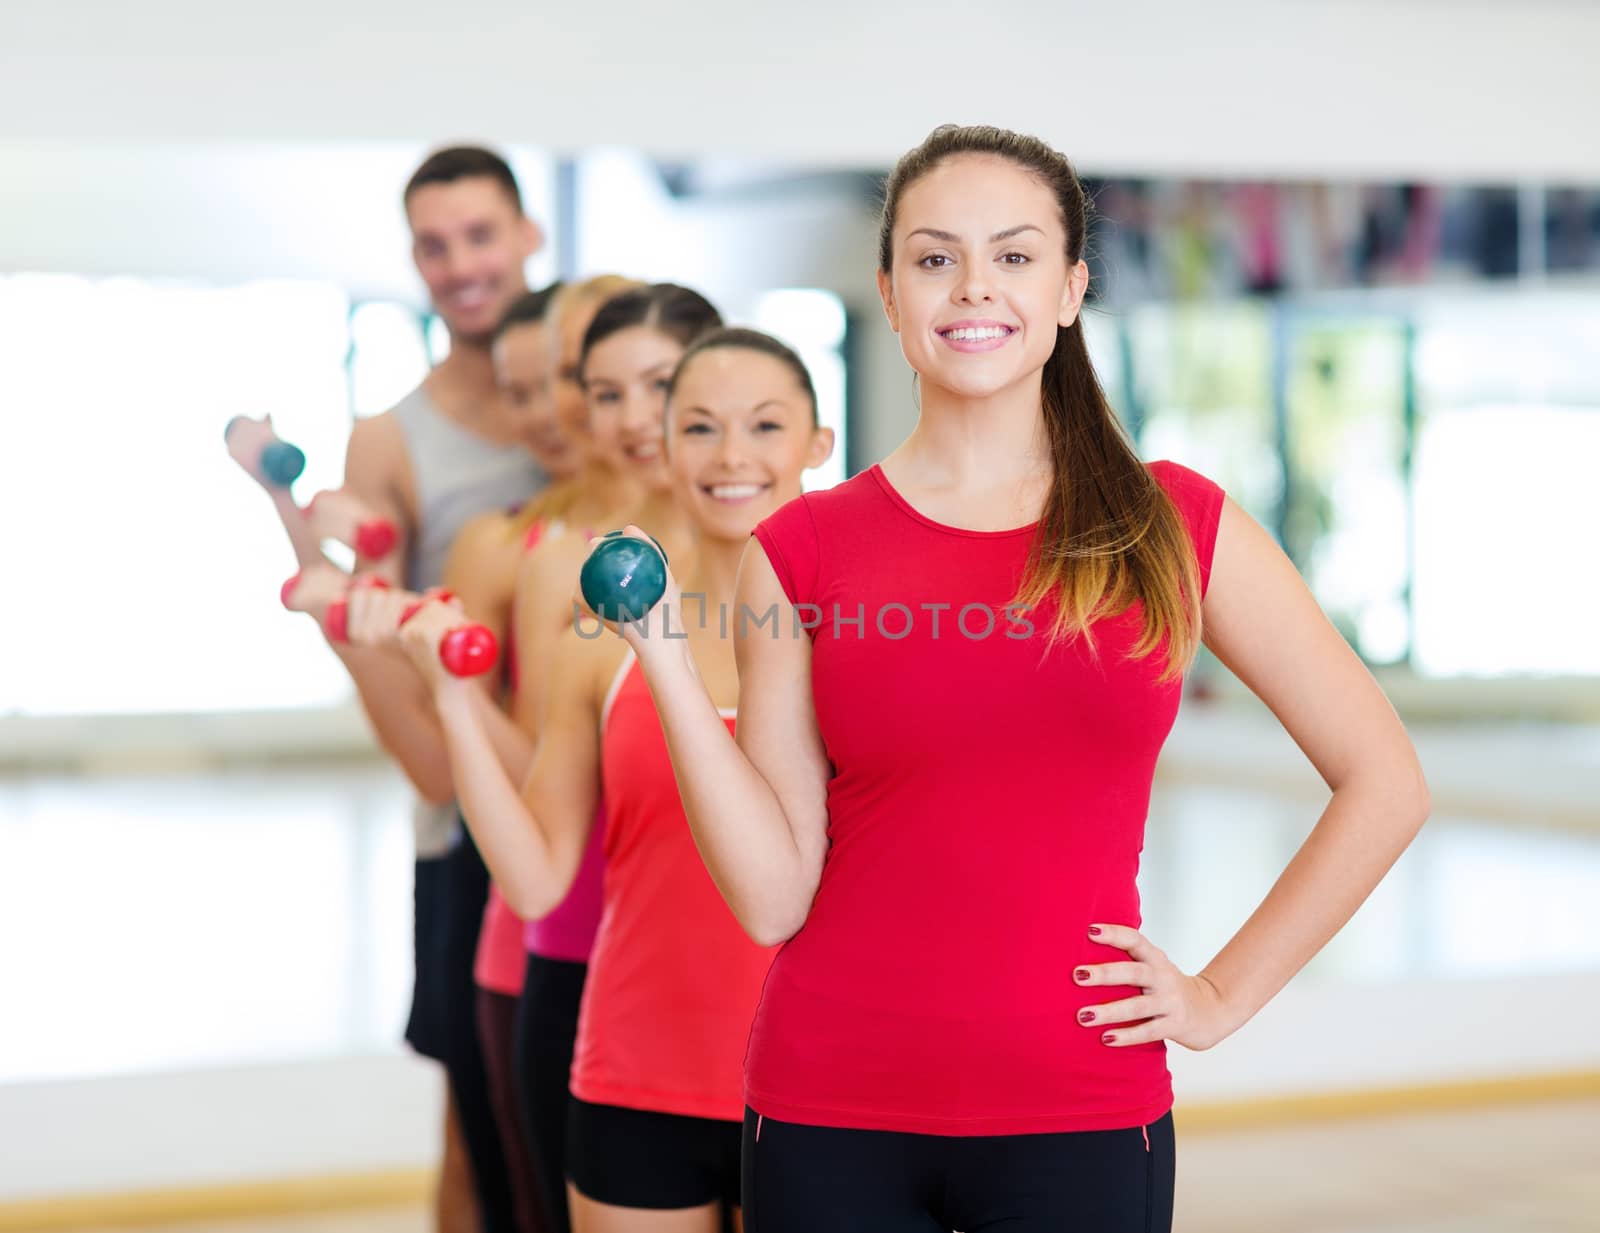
{"x": 937, "y": 796}
{"x": 657, "y": 1077}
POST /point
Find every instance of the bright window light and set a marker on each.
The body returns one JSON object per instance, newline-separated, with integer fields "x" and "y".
{"x": 388, "y": 355}
{"x": 813, "y": 323}
{"x": 152, "y": 563}
{"x": 1505, "y": 579}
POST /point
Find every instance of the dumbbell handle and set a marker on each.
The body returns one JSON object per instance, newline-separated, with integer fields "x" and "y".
{"x": 466, "y": 650}
{"x": 344, "y": 517}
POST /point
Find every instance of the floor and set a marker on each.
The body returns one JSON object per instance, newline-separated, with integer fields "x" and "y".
{"x": 260, "y": 916}
{"x": 1513, "y": 1170}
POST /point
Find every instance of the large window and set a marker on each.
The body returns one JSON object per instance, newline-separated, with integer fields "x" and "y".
{"x": 143, "y": 564}
{"x": 1507, "y": 437}
{"x": 1199, "y": 382}
{"x": 1425, "y": 459}
{"x": 1345, "y": 519}
{"x": 813, "y": 323}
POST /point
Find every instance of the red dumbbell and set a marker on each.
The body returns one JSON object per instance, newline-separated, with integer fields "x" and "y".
{"x": 467, "y": 650}
{"x": 324, "y": 589}
{"x": 340, "y": 516}
{"x": 338, "y": 612}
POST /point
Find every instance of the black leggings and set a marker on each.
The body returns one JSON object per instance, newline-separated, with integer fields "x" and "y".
{"x": 450, "y": 894}
{"x": 541, "y": 1067}
{"x": 497, "y": 1017}
{"x": 802, "y": 1179}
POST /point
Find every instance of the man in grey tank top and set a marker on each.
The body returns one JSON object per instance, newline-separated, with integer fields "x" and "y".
{"x": 447, "y": 452}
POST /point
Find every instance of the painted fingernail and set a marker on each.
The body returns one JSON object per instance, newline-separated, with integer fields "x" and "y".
{"x": 1081, "y": 974}
{"x": 1109, "y": 1038}
{"x": 1086, "y": 1016}
{"x": 1094, "y": 931}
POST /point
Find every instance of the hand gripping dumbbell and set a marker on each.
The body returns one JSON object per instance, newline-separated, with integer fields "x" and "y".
{"x": 344, "y": 517}
{"x": 624, "y": 576}
{"x": 332, "y": 515}
{"x": 466, "y": 650}
{"x": 256, "y": 448}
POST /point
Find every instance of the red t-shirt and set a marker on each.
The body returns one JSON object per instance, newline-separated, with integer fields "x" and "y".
{"x": 987, "y": 804}
{"x": 673, "y": 980}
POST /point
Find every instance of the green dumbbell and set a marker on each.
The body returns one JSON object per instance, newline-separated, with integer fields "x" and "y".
{"x": 624, "y": 576}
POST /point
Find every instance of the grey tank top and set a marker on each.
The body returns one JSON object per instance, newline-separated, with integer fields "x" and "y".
{"x": 458, "y": 476}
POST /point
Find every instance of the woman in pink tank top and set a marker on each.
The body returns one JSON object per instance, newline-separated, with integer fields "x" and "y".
{"x": 673, "y": 980}
{"x": 607, "y": 379}
{"x": 547, "y": 957}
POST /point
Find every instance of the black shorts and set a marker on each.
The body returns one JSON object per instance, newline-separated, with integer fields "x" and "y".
{"x": 449, "y": 897}
{"x": 810, "y": 1179}
{"x": 450, "y": 893}
{"x": 658, "y": 1161}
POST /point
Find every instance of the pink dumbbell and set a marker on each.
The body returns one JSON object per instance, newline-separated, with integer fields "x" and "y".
{"x": 340, "y": 516}
{"x": 466, "y": 650}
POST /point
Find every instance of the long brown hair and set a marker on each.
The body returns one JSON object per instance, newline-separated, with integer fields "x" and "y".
{"x": 1108, "y": 534}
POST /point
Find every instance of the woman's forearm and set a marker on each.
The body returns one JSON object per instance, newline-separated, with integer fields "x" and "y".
{"x": 402, "y": 716}
{"x": 511, "y": 744}
{"x": 307, "y": 547}
{"x": 514, "y": 844}
{"x": 1360, "y": 835}
{"x": 738, "y": 822}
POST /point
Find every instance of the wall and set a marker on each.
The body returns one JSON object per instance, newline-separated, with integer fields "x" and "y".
{"x": 1287, "y": 87}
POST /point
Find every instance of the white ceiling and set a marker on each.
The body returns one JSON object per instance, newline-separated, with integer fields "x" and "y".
{"x": 1323, "y": 88}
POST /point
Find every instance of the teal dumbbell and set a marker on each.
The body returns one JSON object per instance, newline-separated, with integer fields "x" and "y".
{"x": 624, "y": 576}
{"x": 280, "y": 462}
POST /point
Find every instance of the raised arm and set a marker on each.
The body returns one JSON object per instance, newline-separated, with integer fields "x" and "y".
{"x": 478, "y": 571}
{"x": 757, "y": 807}
{"x": 1265, "y": 626}
{"x": 396, "y": 703}
{"x": 247, "y": 440}
{"x": 533, "y": 837}
{"x": 482, "y": 571}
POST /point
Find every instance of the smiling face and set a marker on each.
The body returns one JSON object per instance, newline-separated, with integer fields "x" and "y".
{"x": 625, "y": 380}
{"x": 470, "y": 243}
{"x": 741, "y": 432}
{"x": 568, "y": 404}
{"x": 980, "y": 279}
{"x": 523, "y": 365}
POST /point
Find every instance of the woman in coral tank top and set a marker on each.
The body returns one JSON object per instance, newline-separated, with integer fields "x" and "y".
{"x": 657, "y": 1076}
{"x": 947, "y": 736}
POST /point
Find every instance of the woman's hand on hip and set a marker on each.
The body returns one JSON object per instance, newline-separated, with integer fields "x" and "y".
{"x": 1171, "y": 1005}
